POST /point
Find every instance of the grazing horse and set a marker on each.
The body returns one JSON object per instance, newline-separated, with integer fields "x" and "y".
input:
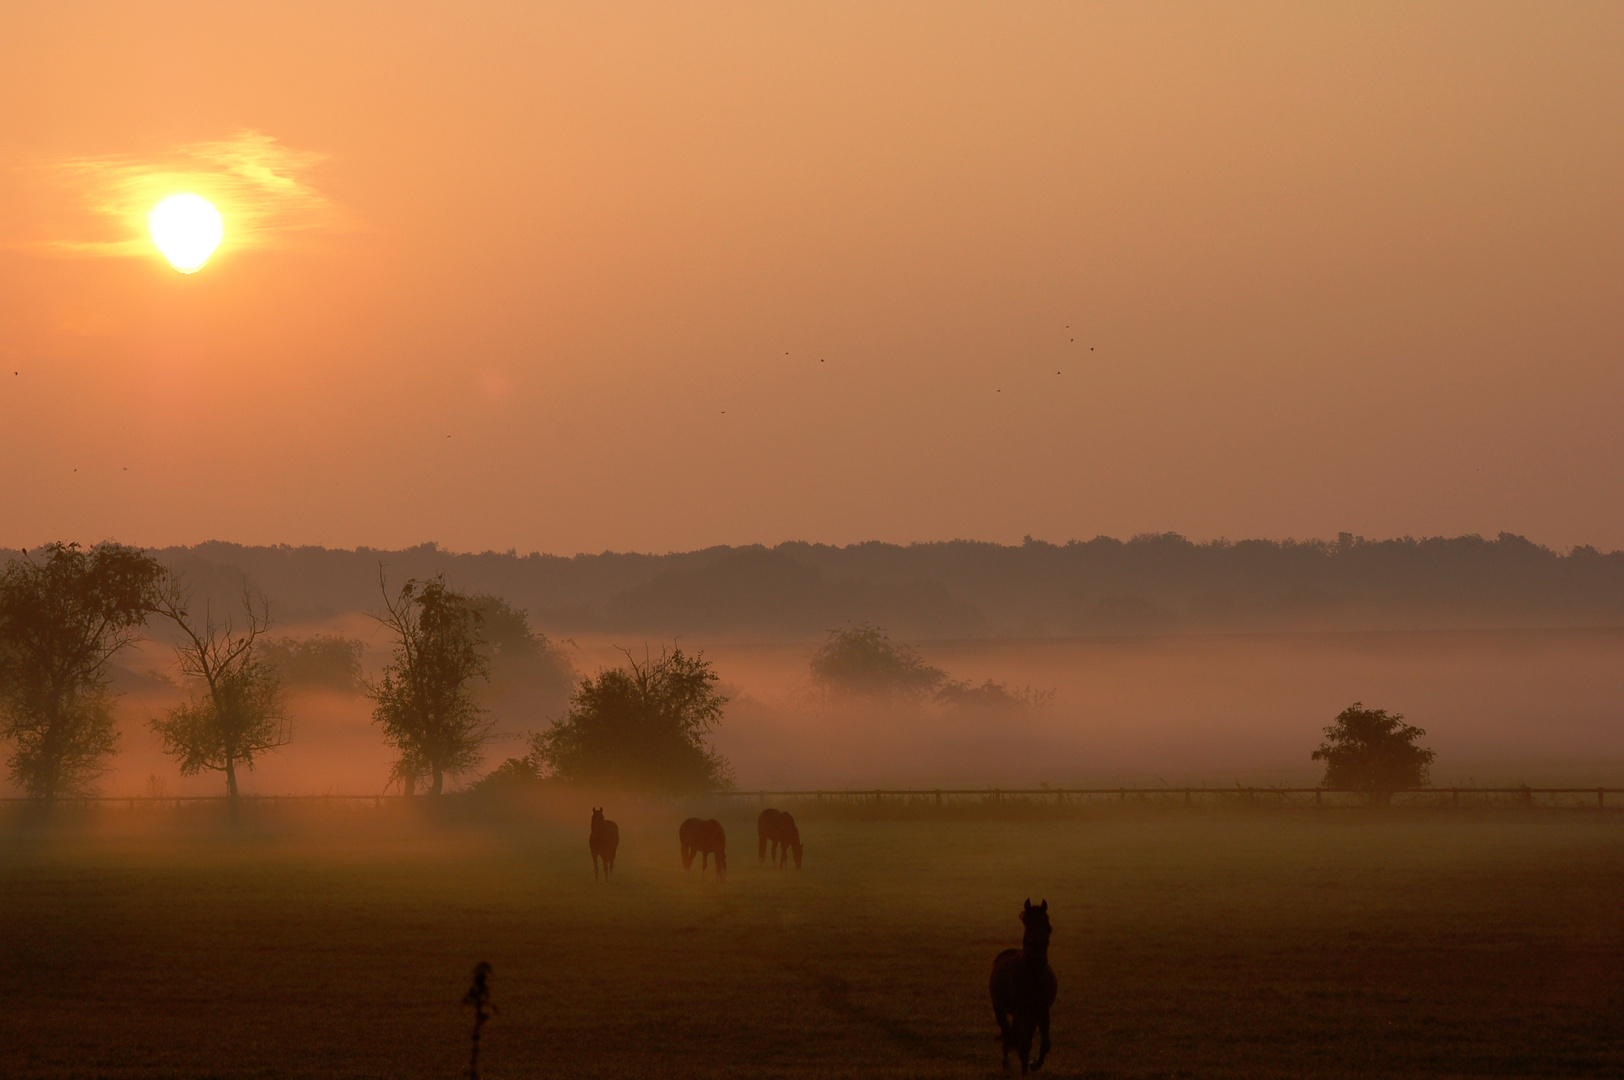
{"x": 705, "y": 838}
{"x": 603, "y": 843}
{"x": 777, "y": 827}
{"x": 1023, "y": 988}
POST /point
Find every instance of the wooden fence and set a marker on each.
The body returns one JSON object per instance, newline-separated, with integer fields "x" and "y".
{"x": 1243, "y": 795}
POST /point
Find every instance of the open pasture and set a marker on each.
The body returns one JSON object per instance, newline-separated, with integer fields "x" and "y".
{"x": 155, "y": 944}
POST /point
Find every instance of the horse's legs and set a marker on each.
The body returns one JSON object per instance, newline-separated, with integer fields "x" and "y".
{"x": 1043, "y": 1037}
{"x": 1024, "y": 1026}
{"x": 594, "y": 866}
{"x": 1005, "y": 1037}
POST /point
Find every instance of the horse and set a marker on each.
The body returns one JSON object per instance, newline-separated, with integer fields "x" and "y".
{"x": 1023, "y": 988}
{"x": 603, "y": 843}
{"x": 705, "y": 838}
{"x": 777, "y": 827}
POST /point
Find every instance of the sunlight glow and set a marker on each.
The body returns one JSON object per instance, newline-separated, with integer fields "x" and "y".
{"x": 186, "y": 228}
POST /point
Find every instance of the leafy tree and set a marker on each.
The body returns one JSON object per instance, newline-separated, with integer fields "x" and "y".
{"x": 861, "y": 661}
{"x": 237, "y": 710}
{"x": 321, "y": 661}
{"x": 1370, "y": 750}
{"x": 63, "y": 616}
{"x": 425, "y": 700}
{"x": 531, "y": 679}
{"x": 641, "y": 726}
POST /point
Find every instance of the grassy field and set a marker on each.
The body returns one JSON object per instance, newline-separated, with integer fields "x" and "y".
{"x": 1186, "y": 943}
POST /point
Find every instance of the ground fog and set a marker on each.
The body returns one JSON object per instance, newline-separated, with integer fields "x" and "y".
{"x": 1536, "y": 706}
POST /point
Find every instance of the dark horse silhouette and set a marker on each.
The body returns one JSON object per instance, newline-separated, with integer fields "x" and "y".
{"x": 777, "y": 827}
{"x": 1023, "y": 988}
{"x": 603, "y": 843}
{"x": 705, "y": 838}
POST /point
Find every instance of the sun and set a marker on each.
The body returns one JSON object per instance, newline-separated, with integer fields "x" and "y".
{"x": 186, "y": 228}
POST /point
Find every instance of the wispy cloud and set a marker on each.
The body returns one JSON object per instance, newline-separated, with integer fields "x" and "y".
{"x": 260, "y": 187}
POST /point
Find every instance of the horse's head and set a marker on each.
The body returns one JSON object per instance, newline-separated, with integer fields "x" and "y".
{"x": 1038, "y": 929}
{"x": 597, "y": 815}
{"x": 795, "y": 849}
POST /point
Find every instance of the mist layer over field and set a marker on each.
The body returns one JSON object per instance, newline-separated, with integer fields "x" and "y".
{"x": 1500, "y": 706}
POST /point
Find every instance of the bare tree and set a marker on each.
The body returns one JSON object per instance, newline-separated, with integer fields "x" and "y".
{"x": 62, "y": 619}
{"x": 237, "y": 710}
{"x": 425, "y": 700}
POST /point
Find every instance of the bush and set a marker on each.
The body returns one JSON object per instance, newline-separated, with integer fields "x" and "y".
{"x": 641, "y": 726}
{"x": 513, "y": 775}
{"x": 861, "y": 661}
{"x": 993, "y": 697}
{"x": 323, "y": 661}
{"x": 1370, "y": 750}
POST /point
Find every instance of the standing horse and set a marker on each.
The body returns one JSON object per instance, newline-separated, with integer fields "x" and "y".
{"x": 1023, "y": 988}
{"x": 705, "y": 838}
{"x": 777, "y": 827}
{"x": 603, "y": 843}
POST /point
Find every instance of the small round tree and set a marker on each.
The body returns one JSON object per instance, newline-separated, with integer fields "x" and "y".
{"x": 645, "y": 725}
{"x": 862, "y": 661}
{"x": 1372, "y": 750}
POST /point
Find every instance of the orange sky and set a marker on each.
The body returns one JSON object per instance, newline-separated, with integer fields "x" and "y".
{"x": 662, "y": 276}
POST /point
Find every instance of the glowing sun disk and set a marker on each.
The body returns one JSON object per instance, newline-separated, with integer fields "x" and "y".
{"x": 186, "y": 228}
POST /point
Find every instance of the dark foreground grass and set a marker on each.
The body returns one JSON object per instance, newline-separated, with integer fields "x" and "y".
{"x": 1186, "y": 945}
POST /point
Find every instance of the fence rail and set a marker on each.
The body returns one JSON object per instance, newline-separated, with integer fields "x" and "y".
{"x": 1123, "y": 794}
{"x": 933, "y": 795}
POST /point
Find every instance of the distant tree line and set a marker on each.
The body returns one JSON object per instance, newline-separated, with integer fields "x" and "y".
{"x": 1150, "y": 584}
